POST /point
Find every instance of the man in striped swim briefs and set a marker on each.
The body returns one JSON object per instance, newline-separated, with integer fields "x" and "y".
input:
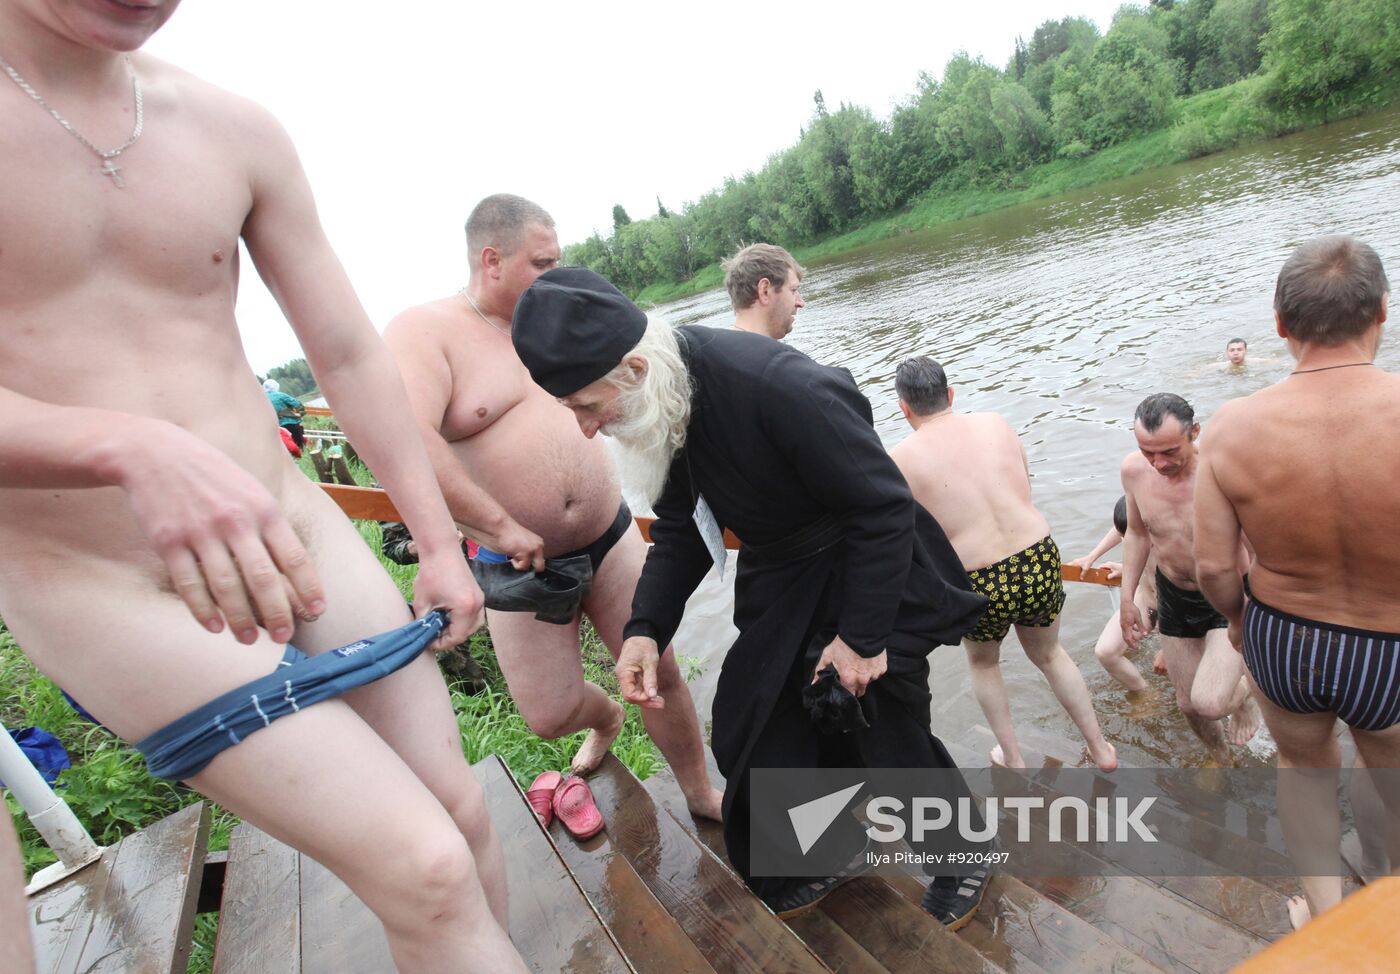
{"x": 1306, "y": 470}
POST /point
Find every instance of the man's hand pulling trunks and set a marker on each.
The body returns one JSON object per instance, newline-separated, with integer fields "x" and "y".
{"x": 636, "y": 672}
{"x": 857, "y": 672}
{"x": 445, "y": 582}
{"x": 525, "y": 548}
{"x": 219, "y": 531}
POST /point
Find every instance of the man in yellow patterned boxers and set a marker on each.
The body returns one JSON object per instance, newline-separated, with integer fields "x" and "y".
{"x": 970, "y": 472}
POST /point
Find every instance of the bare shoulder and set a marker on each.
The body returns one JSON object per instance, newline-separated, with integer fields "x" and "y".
{"x": 432, "y": 319}
{"x": 1132, "y": 467}
{"x": 200, "y": 102}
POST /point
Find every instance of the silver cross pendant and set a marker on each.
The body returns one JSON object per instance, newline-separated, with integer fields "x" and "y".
{"x": 110, "y": 169}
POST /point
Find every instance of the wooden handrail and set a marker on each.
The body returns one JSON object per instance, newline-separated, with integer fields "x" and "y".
{"x": 318, "y": 411}
{"x": 373, "y": 504}
{"x": 1359, "y": 934}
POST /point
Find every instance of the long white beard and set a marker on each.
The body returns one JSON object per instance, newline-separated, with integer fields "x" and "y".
{"x": 646, "y": 445}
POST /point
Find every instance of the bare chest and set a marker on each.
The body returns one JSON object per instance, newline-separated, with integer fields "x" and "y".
{"x": 485, "y": 389}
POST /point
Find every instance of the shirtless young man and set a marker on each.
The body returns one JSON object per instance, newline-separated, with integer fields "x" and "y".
{"x": 523, "y": 481}
{"x": 764, "y": 285}
{"x": 969, "y": 471}
{"x": 137, "y": 554}
{"x": 1159, "y": 480}
{"x": 1306, "y": 468}
{"x": 1235, "y": 351}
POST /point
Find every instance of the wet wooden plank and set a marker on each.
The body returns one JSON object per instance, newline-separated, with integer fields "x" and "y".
{"x": 551, "y": 921}
{"x": 133, "y": 910}
{"x": 260, "y": 914}
{"x": 837, "y": 949}
{"x": 730, "y": 926}
{"x": 647, "y": 934}
{"x": 902, "y": 937}
{"x": 339, "y": 934}
{"x": 1144, "y": 917}
{"x": 666, "y": 792}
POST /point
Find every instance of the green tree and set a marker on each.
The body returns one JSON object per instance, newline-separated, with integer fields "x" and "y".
{"x": 1230, "y": 43}
{"x": 1319, "y": 51}
{"x": 620, "y": 217}
{"x": 1056, "y": 45}
{"x": 295, "y": 378}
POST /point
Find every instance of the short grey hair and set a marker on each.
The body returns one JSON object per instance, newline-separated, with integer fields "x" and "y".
{"x": 922, "y": 385}
{"x": 1154, "y": 410}
{"x": 1330, "y": 290}
{"x": 500, "y": 220}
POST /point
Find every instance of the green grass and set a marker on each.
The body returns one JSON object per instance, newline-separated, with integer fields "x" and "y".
{"x": 113, "y": 796}
{"x": 1202, "y": 124}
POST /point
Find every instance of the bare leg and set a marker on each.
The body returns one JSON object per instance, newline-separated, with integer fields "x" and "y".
{"x": 1219, "y": 689}
{"x": 1042, "y": 647}
{"x": 1183, "y": 658}
{"x": 676, "y": 727}
{"x": 1111, "y": 652}
{"x": 321, "y": 780}
{"x": 1373, "y": 830}
{"x": 1379, "y": 753}
{"x": 541, "y": 665}
{"x": 1309, "y": 812}
{"x": 984, "y": 666}
{"x": 16, "y": 945}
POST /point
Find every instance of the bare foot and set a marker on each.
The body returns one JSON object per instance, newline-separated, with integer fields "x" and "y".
{"x": 1244, "y": 722}
{"x": 999, "y": 759}
{"x": 596, "y": 744}
{"x": 1105, "y": 758}
{"x": 708, "y": 805}
{"x": 1298, "y": 912}
{"x": 1159, "y": 664}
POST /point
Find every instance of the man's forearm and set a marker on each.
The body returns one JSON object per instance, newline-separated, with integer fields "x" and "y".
{"x": 1223, "y": 588}
{"x": 1135, "y": 549}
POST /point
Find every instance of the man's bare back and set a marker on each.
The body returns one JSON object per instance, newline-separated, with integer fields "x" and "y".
{"x": 969, "y": 470}
{"x": 1302, "y": 464}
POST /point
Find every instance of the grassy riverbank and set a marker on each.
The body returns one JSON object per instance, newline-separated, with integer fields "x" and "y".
{"x": 1209, "y": 122}
{"x": 112, "y": 795}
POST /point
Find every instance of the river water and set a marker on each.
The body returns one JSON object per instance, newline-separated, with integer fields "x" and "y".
{"x": 1062, "y": 315}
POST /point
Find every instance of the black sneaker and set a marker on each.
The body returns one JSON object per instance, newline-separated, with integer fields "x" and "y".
{"x": 952, "y": 900}
{"x": 803, "y": 895}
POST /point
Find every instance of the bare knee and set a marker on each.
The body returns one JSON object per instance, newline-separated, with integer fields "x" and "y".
{"x": 436, "y": 878}
{"x": 1108, "y": 653}
{"x": 983, "y": 656}
{"x": 1043, "y": 656}
{"x": 1209, "y": 705}
{"x": 555, "y": 718}
{"x": 1187, "y": 706}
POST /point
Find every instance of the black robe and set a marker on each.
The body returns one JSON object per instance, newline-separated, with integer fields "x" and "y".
{"x": 785, "y": 454}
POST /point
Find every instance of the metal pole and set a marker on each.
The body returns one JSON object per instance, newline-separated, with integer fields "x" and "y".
{"x": 49, "y": 813}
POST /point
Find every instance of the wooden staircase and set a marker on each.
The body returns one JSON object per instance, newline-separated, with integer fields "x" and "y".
{"x": 654, "y": 894}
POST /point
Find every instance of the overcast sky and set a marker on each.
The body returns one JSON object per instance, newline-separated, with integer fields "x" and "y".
{"x": 408, "y": 112}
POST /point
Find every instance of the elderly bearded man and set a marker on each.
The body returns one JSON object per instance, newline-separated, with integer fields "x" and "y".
{"x": 726, "y": 429}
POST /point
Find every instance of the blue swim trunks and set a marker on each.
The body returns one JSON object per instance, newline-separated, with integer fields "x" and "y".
{"x": 185, "y": 746}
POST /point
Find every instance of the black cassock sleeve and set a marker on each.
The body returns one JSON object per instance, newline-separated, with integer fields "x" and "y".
{"x": 675, "y": 565}
{"x": 816, "y": 418}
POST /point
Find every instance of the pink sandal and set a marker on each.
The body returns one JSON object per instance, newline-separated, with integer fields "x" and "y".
{"x": 575, "y": 807}
{"x": 540, "y": 795}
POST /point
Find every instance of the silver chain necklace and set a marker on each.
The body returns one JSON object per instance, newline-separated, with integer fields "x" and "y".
{"x": 107, "y": 155}
{"x": 482, "y": 315}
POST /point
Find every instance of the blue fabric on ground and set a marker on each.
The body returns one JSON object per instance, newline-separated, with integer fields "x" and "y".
{"x": 43, "y": 750}
{"x": 185, "y": 746}
{"x": 79, "y": 708}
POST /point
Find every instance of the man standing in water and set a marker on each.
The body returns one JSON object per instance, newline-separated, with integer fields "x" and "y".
{"x": 969, "y": 471}
{"x": 485, "y": 421}
{"x": 1235, "y": 351}
{"x": 725, "y": 429}
{"x": 1159, "y": 480}
{"x": 150, "y": 566}
{"x": 764, "y": 285}
{"x": 1306, "y": 469}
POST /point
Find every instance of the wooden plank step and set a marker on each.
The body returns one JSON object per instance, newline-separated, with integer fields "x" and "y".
{"x": 837, "y": 949}
{"x": 133, "y": 909}
{"x": 859, "y": 924}
{"x": 901, "y": 936}
{"x": 1147, "y": 919}
{"x": 260, "y": 914}
{"x": 1257, "y": 908}
{"x": 731, "y": 927}
{"x": 650, "y": 937}
{"x": 306, "y": 920}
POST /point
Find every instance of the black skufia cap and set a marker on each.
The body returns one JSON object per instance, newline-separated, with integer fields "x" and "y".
{"x": 571, "y": 328}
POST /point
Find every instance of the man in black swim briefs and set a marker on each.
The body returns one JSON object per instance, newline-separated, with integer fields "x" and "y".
{"x": 522, "y": 481}
{"x": 1159, "y": 479}
{"x": 1305, "y": 469}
